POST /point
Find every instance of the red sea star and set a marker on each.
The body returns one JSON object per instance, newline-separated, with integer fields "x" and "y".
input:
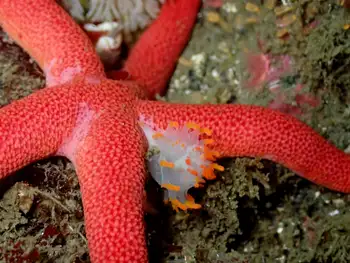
{"x": 93, "y": 120}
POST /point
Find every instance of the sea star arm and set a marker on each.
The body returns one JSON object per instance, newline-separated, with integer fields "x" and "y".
{"x": 153, "y": 58}
{"x": 52, "y": 38}
{"x": 34, "y": 127}
{"x": 110, "y": 167}
{"x": 242, "y": 130}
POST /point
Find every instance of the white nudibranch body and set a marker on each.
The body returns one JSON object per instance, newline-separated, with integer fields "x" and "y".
{"x": 182, "y": 159}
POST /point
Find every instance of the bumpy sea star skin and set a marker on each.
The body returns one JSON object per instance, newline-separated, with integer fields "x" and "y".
{"x": 167, "y": 51}
{"x": 94, "y": 121}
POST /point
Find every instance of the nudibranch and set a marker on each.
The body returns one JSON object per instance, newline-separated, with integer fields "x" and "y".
{"x": 181, "y": 159}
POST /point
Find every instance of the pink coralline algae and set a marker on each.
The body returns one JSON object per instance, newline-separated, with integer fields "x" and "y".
{"x": 301, "y": 99}
{"x": 266, "y": 71}
{"x": 265, "y": 68}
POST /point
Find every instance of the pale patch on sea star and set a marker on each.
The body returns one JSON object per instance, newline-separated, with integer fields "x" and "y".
{"x": 83, "y": 124}
{"x": 64, "y": 77}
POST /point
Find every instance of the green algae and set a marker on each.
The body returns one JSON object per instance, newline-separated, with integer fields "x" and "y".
{"x": 326, "y": 56}
{"x": 305, "y": 226}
